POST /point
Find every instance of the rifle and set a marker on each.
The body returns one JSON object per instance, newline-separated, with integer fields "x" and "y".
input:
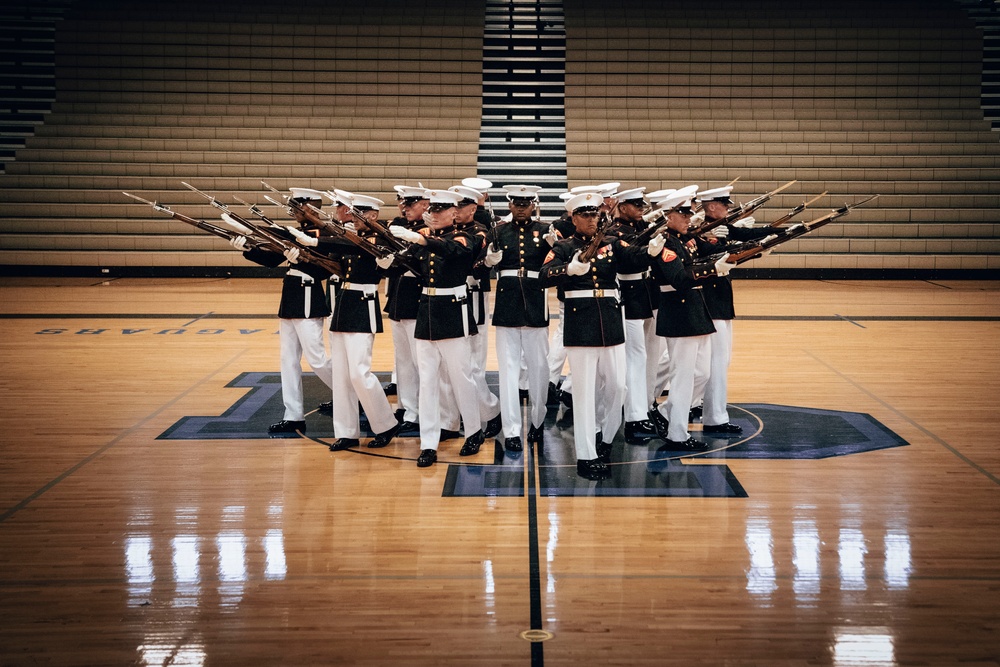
{"x": 306, "y": 253}
{"x": 590, "y": 251}
{"x": 795, "y": 211}
{"x": 326, "y": 222}
{"x": 215, "y": 230}
{"x": 741, "y": 211}
{"x": 752, "y": 249}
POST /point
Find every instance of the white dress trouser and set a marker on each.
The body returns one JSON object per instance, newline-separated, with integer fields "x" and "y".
{"x": 478, "y": 343}
{"x": 662, "y": 370}
{"x": 452, "y": 358}
{"x": 637, "y": 369}
{"x": 514, "y": 344}
{"x": 557, "y": 353}
{"x": 655, "y": 346}
{"x": 714, "y": 389}
{"x": 481, "y": 341}
{"x": 301, "y": 337}
{"x": 407, "y": 378}
{"x": 598, "y": 395}
{"x": 353, "y": 381}
{"x": 684, "y": 353}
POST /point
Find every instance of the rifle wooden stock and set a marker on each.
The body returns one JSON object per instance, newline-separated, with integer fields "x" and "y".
{"x": 795, "y": 211}
{"x": 396, "y": 245}
{"x": 753, "y": 249}
{"x": 741, "y": 211}
{"x": 590, "y": 251}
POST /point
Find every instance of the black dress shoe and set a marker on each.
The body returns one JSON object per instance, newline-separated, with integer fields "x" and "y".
{"x": 492, "y": 427}
{"x": 383, "y": 439}
{"x": 638, "y": 433}
{"x": 512, "y": 444}
{"x": 536, "y": 435}
{"x": 427, "y": 458}
{"x": 285, "y": 426}
{"x": 552, "y": 399}
{"x": 604, "y": 451}
{"x": 344, "y": 443}
{"x": 695, "y": 413}
{"x": 725, "y": 429}
{"x": 325, "y": 408}
{"x": 566, "y": 399}
{"x": 660, "y": 423}
{"x": 446, "y": 434}
{"x": 390, "y": 389}
{"x": 690, "y": 444}
{"x": 472, "y": 444}
{"x": 594, "y": 469}
{"x": 409, "y": 426}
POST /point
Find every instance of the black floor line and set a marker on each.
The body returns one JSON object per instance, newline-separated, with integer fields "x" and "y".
{"x": 534, "y": 571}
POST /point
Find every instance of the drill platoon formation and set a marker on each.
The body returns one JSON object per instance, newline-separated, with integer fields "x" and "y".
{"x": 644, "y": 293}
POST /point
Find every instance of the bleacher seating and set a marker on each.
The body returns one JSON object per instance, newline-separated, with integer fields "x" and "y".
{"x": 852, "y": 98}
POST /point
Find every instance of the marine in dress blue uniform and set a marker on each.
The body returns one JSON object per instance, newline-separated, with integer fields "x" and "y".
{"x": 516, "y": 250}
{"x": 402, "y": 299}
{"x": 683, "y": 319}
{"x": 478, "y": 283}
{"x": 355, "y": 320}
{"x": 443, "y": 325}
{"x": 640, "y": 296}
{"x": 301, "y": 312}
{"x": 594, "y": 332}
{"x": 718, "y": 293}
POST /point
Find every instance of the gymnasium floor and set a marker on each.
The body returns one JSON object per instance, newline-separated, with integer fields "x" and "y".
{"x": 145, "y": 520}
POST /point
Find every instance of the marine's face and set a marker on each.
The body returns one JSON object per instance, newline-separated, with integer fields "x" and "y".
{"x": 586, "y": 222}
{"x": 715, "y": 209}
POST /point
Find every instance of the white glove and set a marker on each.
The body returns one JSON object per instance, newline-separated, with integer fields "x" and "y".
{"x": 401, "y": 232}
{"x": 795, "y": 227}
{"x": 746, "y": 222}
{"x": 292, "y": 255}
{"x": 722, "y": 268}
{"x": 304, "y": 238}
{"x": 384, "y": 262}
{"x": 551, "y": 236}
{"x": 238, "y": 242}
{"x": 493, "y": 256}
{"x": 768, "y": 239}
{"x": 576, "y": 267}
{"x": 697, "y": 218}
{"x": 721, "y": 232}
{"x": 656, "y": 245}
{"x": 349, "y": 226}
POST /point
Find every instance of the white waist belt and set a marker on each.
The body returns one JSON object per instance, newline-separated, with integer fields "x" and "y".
{"x": 668, "y": 288}
{"x": 592, "y": 294}
{"x": 295, "y": 273}
{"x": 367, "y": 288}
{"x": 444, "y": 291}
{"x": 632, "y": 276}
{"x": 517, "y": 273}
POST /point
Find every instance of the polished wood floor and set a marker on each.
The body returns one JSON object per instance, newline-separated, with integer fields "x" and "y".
{"x": 118, "y": 548}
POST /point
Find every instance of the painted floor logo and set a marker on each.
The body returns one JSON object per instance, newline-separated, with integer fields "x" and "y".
{"x": 769, "y": 432}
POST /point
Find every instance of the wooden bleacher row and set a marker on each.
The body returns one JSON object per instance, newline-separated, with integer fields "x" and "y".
{"x": 848, "y": 99}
